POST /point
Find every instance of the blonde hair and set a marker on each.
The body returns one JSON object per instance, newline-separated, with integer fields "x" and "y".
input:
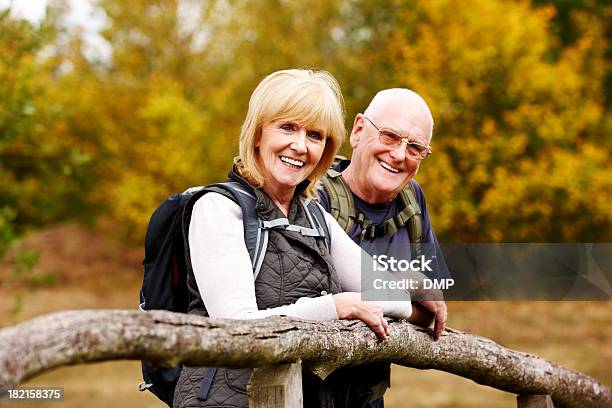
{"x": 311, "y": 98}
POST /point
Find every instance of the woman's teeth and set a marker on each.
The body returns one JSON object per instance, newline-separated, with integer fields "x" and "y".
{"x": 292, "y": 162}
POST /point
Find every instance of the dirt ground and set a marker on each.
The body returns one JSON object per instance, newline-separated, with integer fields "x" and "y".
{"x": 79, "y": 269}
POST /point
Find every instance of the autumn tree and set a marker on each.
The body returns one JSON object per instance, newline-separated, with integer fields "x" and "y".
{"x": 42, "y": 172}
{"x": 521, "y": 141}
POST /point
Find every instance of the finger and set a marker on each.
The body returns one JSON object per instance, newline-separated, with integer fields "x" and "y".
{"x": 367, "y": 314}
{"x": 385, "y": 325}
{"x": 378, "y": 328}
{"x": 441, "y": 315}
{"x": 380, "y": 332}
{"x": 438, "y": 328}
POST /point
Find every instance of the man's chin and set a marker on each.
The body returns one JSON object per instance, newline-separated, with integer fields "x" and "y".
{"x": 388, "y": 185}
{"x": 386, "y": 192}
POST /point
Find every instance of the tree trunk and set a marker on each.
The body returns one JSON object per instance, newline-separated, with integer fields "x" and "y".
{"x": 167, "y": 338}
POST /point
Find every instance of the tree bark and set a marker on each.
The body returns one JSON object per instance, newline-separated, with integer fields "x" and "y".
{"x": 167, "y": 339}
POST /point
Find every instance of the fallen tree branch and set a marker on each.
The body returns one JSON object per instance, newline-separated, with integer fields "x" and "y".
{"x": 167, "y": 339}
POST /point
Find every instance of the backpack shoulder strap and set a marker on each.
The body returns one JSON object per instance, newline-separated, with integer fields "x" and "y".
{"x": 255, "y": 230}
{"x": 414, "y": 214}
{"x": 341, "y": 204}
{"x": 317, "y": 229}
{"x": 316, "y": 217}
{"x": 255, "y": 238}
{"x": 415, "y": 219}
{"x": 411, "y": 216}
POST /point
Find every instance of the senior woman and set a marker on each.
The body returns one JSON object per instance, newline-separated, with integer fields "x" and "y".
{"x": 293, "y": 128}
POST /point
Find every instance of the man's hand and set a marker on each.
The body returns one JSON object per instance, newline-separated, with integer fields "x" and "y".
{"x": 427, "y": 305}
{"x": 426, "y": 312}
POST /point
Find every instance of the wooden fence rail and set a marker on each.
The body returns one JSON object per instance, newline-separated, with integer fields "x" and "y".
{"x": 166, "y": 338}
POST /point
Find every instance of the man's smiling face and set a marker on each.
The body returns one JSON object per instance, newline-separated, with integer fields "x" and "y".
{"x": 381, "y": 171}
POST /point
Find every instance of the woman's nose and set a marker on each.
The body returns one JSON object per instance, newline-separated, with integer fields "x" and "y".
{"x": 299, "y": 142}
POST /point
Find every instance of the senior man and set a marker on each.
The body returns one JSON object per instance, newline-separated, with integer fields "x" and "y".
{"x": 376, "y": 200}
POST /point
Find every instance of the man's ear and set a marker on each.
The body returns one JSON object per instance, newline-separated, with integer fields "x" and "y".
{"x": 357, "y": 130}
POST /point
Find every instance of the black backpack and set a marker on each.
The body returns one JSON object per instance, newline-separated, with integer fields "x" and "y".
{"x": 167, "y": 261}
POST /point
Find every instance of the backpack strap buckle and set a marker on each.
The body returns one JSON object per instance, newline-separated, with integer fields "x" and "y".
{"x": 371, "y": 231}
{"x": 143, "y": 386}
{"x": 279, "y": 222}
{"x": 380, "y": 229}
{"x": 306, "y": 232}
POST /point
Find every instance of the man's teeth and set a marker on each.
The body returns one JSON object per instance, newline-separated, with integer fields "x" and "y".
{"x": 293, "y": 162}
{"x": 386, "y": 166}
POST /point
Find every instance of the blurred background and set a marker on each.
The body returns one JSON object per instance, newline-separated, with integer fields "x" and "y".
{"x": 107, "y": 107}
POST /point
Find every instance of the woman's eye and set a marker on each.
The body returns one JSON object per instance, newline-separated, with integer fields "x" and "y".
{"x": 288, "y": 127}
{"x": 315, "y": 135}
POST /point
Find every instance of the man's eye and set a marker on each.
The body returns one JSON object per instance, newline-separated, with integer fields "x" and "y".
{"x": 315, "y": 135}
{"x": 288, "y": 127}
{"x": 417, "y": 150}
{"x": 389, "y": 138}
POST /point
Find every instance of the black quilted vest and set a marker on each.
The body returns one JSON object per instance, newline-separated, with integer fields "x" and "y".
{"x": 294, "y": 266}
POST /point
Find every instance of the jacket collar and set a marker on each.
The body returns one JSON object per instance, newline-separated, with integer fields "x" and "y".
{"x": 265, "y": 207}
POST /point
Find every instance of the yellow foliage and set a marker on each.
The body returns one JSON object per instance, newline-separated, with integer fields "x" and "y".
{"x": 519, "y": 130}
{"x": 521, "y": 139}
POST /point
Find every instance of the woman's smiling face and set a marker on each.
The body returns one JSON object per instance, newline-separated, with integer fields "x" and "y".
{"x": 288, "y": 153}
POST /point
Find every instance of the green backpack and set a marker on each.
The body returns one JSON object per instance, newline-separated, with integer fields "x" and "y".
{"x": 342, "y": 208}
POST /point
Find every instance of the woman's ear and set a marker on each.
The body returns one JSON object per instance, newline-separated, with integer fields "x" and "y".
{"x": 257, "y": 137}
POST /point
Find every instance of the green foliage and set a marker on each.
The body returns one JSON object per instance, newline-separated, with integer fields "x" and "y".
{"x": 522, "y": 107}
{"x": 23, "y": 271}
{"x": 17, "y": 305}
{"x": 27, "y": 260}
{"x": 22, "y": 275}
{"x": 7, "y": 233}
{"x": 40, "y": 178}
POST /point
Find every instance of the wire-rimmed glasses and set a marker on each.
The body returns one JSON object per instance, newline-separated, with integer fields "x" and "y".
{"x": 392, "y": 139}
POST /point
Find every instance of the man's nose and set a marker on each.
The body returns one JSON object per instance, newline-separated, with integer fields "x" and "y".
{"x": 400, "y": 152}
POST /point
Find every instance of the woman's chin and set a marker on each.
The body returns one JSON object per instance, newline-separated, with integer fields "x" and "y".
{"x": 286, "y": 183}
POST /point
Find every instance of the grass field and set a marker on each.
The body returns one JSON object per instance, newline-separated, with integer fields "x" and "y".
{"x": 93, "y": 273}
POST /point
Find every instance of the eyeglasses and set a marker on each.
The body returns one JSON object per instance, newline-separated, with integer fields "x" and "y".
{"x": 389, "y": 138}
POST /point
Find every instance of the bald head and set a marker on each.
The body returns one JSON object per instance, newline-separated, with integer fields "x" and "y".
{"x": 401, "y": 102}
{"x": 379, "y": 170}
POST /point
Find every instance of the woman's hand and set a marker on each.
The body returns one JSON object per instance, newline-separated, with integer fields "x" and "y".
{"x": 350, "y": 306}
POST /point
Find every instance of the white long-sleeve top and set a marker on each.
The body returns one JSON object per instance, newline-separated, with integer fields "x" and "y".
{"x": 224, "y": 274}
